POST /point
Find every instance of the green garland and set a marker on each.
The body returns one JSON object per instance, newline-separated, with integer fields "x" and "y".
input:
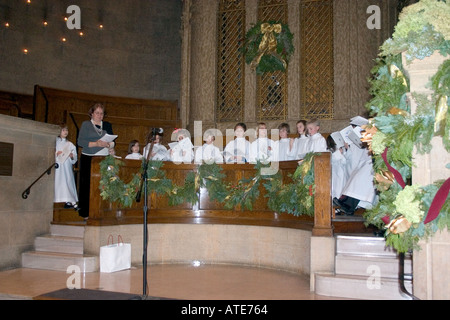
{"x": 295, "y": 198}
{"x": 271, "y": 61}
{"x": 400, "y": 132}
{"x": 422, "y": 28}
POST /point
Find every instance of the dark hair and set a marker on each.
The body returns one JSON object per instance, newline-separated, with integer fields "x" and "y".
{"x": 240, "y": 124}
{"x": 304, "y": 125}
{"x": 96, "y": 106}
{"x": 285, "y": 126}
{"x": 131, "y": 144}
{"x": 331, "y": 145}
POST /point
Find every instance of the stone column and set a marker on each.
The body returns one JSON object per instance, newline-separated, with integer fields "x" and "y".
{"x": 430, "y": 264}
{"x": 203, "y": 64}
{"x": 185, "y": 63}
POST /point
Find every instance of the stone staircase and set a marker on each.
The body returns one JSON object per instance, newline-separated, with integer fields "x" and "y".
{"x": 63, "y": 247}
{"x": 364, "y": 269}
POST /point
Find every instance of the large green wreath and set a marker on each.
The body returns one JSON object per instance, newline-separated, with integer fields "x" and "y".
{"x": 403, "y": 210}
{"x": 275, "y": 60}
{"x": 295, "y": 198}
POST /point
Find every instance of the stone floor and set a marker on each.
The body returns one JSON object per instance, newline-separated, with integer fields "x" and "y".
{"x": 192, "y": 282}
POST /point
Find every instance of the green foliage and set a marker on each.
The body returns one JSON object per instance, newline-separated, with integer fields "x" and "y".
{"x": 422, "y": 28}
{"x": 419, "y": 33}
{"x": 269, "y": 62}
{"x": 296, "y": 198}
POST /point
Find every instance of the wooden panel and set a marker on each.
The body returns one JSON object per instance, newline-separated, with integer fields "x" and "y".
{"x": 209, "y": 212}
{"x": 16, "y": 105}
{"x": 131, "y": 118}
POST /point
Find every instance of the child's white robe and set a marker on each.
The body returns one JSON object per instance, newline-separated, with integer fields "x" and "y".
{"x": 65, "y": 188}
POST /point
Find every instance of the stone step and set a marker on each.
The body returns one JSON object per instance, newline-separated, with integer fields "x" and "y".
{"x": 76, "y": 231}
{"x": 385, "y": 266}
{"x": 59, "y": 261}
{"x": 360, "y": 287}
{"x": 61, "y": 244}
{"x": 363, "y": 246}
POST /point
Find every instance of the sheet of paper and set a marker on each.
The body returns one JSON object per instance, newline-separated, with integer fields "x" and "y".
{"x": 338, "y": 139}
{"x": 355, "y": 139}
{"x": 109, "y": 137}
{"x": 62, "y": 157}
{"x": 344, "y": 132}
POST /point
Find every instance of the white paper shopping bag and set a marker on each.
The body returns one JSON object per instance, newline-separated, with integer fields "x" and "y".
{"x": 115, "y": 257}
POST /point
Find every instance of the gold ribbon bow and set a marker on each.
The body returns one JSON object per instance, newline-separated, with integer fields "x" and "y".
{"x": 268, "y": 43}
{"x": 397, "y": 111}
{"x": 441, "y": 116}
{"x": 398, "y": 225}
{"x": 397, "y": 73}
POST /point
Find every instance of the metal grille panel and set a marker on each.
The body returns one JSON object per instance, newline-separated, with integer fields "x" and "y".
{"x": 230, "y": 69}
{"x": 272, "y": 86}
{"x": 317, "y": 72}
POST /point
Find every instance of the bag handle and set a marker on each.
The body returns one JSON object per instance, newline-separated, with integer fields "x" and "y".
{"x": 119, "y": 239}
{"x": 112, "y": 239}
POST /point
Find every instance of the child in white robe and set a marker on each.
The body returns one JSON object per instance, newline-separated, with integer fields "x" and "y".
{"x": 238, "y": 150}
{"x": 181, "y": 150}
{"x": 338, "y": 171}
{"x": 208, "y": 153}
{"x": 354, "y": 154}
{"x": 301, "y": 142}
{"x": 65, "y": 156}
{"x": 285, "y": 144}
{"x": 159, "y": 151}
{"x": 133, "y": 150}
{"x": 263, "y": 149}
{"x": 316, "y": 142}
{"x": 359, "y": 191}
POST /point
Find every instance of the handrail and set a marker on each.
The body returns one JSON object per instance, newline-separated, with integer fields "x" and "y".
{"x": 26, "y": 193}
{"x": 401, "y": 276}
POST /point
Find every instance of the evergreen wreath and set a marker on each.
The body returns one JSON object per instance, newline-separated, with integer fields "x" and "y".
{"x": 407, "y": 212}
{"x": 268, "y": 46}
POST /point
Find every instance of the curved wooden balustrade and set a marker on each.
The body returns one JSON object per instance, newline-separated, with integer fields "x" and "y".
{"x": 103, "y": 213}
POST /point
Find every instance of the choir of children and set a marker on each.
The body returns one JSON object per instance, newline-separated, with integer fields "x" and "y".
{"x": 351, "y": 163}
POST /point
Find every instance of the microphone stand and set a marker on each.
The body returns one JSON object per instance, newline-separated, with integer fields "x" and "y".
{"x": 143, "y": 183}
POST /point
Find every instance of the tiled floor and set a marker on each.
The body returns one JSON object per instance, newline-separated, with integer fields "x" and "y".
{"x": 204, "y": 282}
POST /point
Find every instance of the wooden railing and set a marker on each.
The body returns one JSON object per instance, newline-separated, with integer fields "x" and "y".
{"x": 210, "y": 212}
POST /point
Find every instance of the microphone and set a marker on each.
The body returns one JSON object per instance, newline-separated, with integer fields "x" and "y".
{"x": 158, "y": 131}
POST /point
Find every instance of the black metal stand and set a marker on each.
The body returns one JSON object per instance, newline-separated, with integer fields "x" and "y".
{"x": 402, "y": 275}
{"x": 143, "y": 184}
